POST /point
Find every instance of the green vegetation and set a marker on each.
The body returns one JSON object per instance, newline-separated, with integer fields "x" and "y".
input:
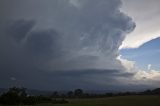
{"x": 113, "y": 101}
{"x": 18, "y": 96}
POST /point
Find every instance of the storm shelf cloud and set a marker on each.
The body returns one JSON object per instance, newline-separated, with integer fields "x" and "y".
{"x": 63, "y": 43}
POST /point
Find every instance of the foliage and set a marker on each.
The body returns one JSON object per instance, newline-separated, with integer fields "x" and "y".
{"x": 18, "y": 96}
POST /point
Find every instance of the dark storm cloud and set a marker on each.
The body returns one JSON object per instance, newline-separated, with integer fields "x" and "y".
{"x": 62, "y": 41}
{"x": 19, "y": 29}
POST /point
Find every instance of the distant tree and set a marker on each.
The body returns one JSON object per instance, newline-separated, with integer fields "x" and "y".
{"x": 70, "y": 94}
{"x": 147, "y": 92}
{"x": 156, "y": 91}
{"x": 12, "y": 97}
{"x": 19, "y": 91}
{"x": 78, "y": 92}
{"x": 18, "y": 96}
{"x": 109, "y": 94}
{"x": 55, "y": 94}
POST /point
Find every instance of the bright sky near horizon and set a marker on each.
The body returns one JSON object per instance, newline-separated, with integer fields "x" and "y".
{"x": 141, "y": 47}
{"x": 146, "y": 14}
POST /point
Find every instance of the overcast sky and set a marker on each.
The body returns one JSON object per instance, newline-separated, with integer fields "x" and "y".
{"x": 68, "y": 44}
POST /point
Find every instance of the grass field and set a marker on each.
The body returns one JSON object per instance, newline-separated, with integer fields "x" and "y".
{"x": 113, "y": 101}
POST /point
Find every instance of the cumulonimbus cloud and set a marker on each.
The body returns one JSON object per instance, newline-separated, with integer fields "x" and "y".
{"x": 64, "y": 36}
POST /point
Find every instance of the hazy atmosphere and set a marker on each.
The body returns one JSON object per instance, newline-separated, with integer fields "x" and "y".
{"x": 87, "y": 44}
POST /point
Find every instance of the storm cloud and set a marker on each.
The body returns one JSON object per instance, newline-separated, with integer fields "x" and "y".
{"x": 65, "y": 42}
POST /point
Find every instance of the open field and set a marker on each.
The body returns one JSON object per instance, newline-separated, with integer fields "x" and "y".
{"x": 113, "y": 101}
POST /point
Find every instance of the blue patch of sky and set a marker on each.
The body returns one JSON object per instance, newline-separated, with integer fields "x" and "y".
{"x": 148, "y": 53}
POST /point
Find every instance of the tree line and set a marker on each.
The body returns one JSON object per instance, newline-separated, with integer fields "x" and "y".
{"x": 19, "y": 96}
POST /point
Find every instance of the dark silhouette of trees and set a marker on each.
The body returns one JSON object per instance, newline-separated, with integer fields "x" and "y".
{"x": 18, "y": 96}
{"x": 156, "y": 91}
{"x": 55, "y": 94}
{"x": 11, "y": 97}
{"x": 70, "y": 94}
{"x": 78, "y": 92}
{"x": 14, "y": 96}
